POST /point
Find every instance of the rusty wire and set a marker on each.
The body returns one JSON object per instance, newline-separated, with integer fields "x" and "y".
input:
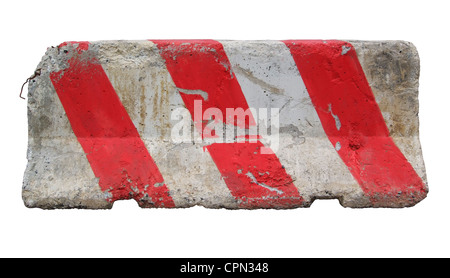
{"x": 35, "y": 74}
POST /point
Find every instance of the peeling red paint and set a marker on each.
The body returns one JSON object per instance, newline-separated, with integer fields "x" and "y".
{"x": 256, "y": 180}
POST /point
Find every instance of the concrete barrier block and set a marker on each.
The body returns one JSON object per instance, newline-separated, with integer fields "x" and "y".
{"x": 225, "y": 124}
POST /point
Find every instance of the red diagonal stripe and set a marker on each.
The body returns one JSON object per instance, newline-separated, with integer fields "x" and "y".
{"x": 352, "y": 119}
{"x": 255, "y": 179}
{"x": 113, "y": 147}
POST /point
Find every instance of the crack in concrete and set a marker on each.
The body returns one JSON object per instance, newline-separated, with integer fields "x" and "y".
{"x": 248, "y": 74}
{"x": 252, "y": 177}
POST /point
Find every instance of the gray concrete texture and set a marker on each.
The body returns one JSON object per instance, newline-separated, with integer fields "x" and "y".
{"x": 59, "y": 175}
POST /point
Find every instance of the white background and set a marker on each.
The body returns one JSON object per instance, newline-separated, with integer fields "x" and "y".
{"x": 324, "y": 230}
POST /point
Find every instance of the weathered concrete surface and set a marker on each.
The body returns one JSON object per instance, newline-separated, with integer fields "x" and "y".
{"x": 144, "y": 76}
